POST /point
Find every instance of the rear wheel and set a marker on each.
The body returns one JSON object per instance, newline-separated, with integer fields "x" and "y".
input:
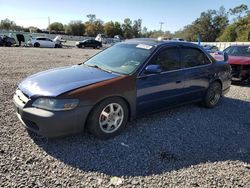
{"x": 37, "y": 45}
{"x": 213, "y": 95}
{"x": 108, "y": 118}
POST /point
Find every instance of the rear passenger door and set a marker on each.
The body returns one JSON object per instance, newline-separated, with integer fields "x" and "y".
{"x": 198, "y": 71}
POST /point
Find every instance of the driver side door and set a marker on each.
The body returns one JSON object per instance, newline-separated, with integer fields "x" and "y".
{"x": 160, "y": 90}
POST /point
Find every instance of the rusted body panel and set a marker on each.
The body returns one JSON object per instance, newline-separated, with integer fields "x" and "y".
{"x": 122, "y": 86}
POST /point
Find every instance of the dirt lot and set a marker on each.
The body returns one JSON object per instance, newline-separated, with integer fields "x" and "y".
{"x": 189, "y": 146}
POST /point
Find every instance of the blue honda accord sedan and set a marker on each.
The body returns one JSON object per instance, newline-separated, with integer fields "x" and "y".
{"x": 125, "y": 81}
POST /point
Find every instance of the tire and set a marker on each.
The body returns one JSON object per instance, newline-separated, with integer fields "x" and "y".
{"x": 57, "y": 46}
{"x": 37, "y": 45}
{"x": 213, "y": 95}
{"x": 104, "y": 123}
{"x": 98, "y": 47}
{"x": 9, "y": 44}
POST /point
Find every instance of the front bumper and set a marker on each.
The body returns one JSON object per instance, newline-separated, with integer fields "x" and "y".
{"x": 51, "y": 123}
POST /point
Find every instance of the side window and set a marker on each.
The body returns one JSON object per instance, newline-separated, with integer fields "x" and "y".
{"x": 168, "y": 59}
{"x": 41, "y": 39}
{"x": 192, "y": 57}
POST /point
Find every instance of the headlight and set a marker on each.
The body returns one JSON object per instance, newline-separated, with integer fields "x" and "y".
{"x": 77, "y": 43}
{"x": 55, "y": 104}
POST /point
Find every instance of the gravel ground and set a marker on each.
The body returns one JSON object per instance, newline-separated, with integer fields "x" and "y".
{"x": 189, "y": 146}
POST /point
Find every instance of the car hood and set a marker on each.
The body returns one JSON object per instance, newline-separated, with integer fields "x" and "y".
{"x": 60, "y": 80}
{"x": 239, "y": 60}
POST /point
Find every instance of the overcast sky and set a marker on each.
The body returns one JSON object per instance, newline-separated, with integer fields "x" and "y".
{"x": 175, "y": 14}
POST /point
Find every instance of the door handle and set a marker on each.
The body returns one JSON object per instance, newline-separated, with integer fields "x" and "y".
{"x": 179, "y": 81}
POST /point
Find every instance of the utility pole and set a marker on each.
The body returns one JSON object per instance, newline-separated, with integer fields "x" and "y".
{"x": 161, "y": 23}
{"x": 49, "y": 24}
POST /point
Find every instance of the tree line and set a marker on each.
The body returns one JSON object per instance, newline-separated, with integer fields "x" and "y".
{"x": 212, "y": 25}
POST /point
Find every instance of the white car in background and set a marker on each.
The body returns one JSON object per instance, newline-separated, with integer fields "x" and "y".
{"x": 44, "y": 42}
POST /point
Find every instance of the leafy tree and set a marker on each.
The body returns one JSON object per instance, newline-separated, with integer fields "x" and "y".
{"x": 75, "y": 28}
{"x": 93, "y": 26}
{"x": 109, "y": 29}
{"x": 127, "y": 28}
{"x": 56, "y": 26}
{"x": 91, "y": 17}
{"x": 229, "y": 34}
{"x": 209, "y": 25}
{"x": 136, "y": 28}
{"x": 92, "y": 29}
{"x": 239, "y": 11}
{"x": 118, "y": 29}
{"x": 7, "y": 24}
{"x": 237, "y": 31}
{"x": 112, "y": 28}
{"x": 144, "y": 32}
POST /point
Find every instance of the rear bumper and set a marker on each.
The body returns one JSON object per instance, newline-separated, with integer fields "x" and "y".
{"x": 52, "y": 124}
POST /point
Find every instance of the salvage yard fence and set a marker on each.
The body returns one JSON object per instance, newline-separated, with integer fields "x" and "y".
{"x": 223, "y": 45}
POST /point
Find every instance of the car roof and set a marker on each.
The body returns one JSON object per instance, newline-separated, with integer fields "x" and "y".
{"x": 157, "y": 43}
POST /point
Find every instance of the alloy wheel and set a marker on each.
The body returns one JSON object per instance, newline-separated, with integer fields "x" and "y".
{"x": 111, "y": 118}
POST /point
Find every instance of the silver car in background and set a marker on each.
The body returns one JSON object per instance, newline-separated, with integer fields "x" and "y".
{"x": 44, "y": 42}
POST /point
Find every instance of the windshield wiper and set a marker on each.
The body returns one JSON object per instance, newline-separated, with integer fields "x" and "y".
{"x": 97, "y": 67}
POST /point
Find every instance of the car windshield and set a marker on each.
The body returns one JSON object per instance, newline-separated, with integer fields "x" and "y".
{"x": 121, "y": 58}
{"x": 238, "y": 51}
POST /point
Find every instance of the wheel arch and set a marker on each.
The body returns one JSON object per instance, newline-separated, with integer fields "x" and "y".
{"x": 105, "y": 98}
{"x": 217, "y": 80}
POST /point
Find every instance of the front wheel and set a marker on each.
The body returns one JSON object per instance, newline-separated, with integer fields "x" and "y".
{"x": 57, "y": 46}
{"x": 37, "y": 45}
{"x": 213, "y": 95}
{"x": 108, "y": 118}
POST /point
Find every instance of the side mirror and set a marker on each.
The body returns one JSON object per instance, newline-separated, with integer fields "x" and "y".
{"x": 153, "y": 69}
